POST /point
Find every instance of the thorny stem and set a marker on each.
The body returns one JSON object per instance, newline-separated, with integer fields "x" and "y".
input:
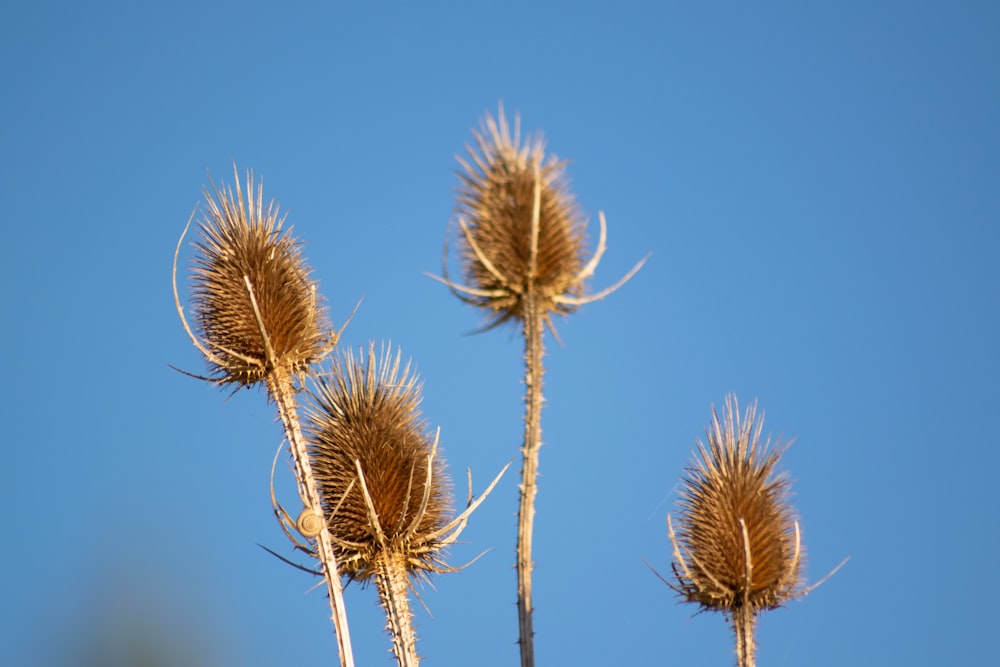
{"x": 743, "y": 625}
{"x": 533, "y": 371}
{"x": 393, "y": 586}
{"x": 533, "y": 351}
{"x": 280, "y": 387}
{"x": 282, "y": 390}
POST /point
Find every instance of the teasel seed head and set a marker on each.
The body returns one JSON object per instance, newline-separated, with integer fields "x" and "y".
{"x": 522, "y": 232}
{"x": 737, "y": 545}
{"x": 255, "y": 306}
{"x": 382, "y": 482}
{"x": 497, "y": 199}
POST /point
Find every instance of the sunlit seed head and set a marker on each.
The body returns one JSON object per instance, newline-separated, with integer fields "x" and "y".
{"x": 737, "y": 533}
{"x": 496, "y": 200}
{"x": 243, "y": 256}
{"x": 367, "y": 410}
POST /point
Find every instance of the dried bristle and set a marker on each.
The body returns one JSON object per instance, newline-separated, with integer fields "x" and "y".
{"x": 370, "y": 412}
{"x": 496, "y": 200}
{"x": 245, "y": 239}
{"x": 734, "y": 478}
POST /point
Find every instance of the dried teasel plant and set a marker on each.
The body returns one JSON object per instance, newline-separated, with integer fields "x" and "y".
{"x": 738, "y": 548}
{"x": 522, "y": 249}
{"x": 259, "y": 320}
{"x": 385, "y": 495}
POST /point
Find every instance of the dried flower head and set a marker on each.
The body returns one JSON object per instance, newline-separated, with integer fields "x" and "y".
{"x": 738, "y": 549}
{"x": 256, "y": 308}
{"x": 383, "y": 485}
{"x": 737, "y": 543}
{"x": 497, "y": 199}
{"x": 523, "y": 234}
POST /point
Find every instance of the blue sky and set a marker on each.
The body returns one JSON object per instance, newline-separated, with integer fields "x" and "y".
{"x": 818, "y": 186}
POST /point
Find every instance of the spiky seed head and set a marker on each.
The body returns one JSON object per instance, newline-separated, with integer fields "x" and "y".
{"x": 737, "y": 539}
{"x": 496, "y": 200}
{"x": 368, "y": 411}
{"x": 240, "y": 242}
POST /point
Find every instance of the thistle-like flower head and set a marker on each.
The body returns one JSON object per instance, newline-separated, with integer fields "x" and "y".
{"x": 737, "y": 542}
{"x": 522, "y": 233}
{"x": 255, "y": 306}
{"x": 382, "y": 482}
{"x": 500, "y": 189}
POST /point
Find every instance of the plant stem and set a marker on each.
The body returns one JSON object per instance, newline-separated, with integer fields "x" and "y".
{"x": 743, "y": 625}
{"x": 281, "y": 389}
{"x": 533, "y": 371}
{"x": 393, "y": 587}
{"x": 533, "y": 352}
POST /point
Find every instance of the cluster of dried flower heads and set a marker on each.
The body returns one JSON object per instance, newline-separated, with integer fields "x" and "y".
{"x": 376, "y": 500}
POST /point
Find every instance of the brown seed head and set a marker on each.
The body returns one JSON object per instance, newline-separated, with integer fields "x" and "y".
{"x": 496, "y": 203}
{"x": 737, "y": 542}
{"x": 367, "y": 416}
{"x": 252, "y": 290}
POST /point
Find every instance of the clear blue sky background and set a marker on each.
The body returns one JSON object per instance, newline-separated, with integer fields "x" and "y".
{"x": 819, "y": 184}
